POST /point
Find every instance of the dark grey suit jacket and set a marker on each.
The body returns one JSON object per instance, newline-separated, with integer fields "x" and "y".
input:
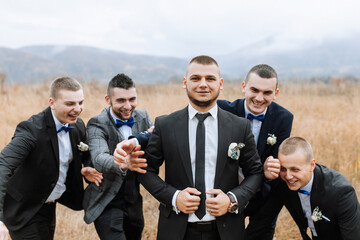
{"x": 29, "y": 169}
{"x": 102, "y": 141}
{"x": 334, "y": 196}
{"x": 169, "y": 142}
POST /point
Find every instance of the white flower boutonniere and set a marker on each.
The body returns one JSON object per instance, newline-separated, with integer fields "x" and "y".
{"x": 271, "y": 139}
{"x": 83, "y": 147}
{"x": 234, "y": 150}
{"x": 317, "y": 215}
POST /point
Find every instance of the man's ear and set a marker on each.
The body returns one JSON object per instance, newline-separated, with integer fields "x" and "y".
{"x": 108, "y": 100}
{"x": 184, "y": 83}
{"x": 312, "y": 163}
{"x": 51, "y": 103}
{"x": 243, "y": 85}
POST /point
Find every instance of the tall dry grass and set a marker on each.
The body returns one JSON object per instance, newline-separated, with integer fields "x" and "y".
{"x": 325, "y": 114}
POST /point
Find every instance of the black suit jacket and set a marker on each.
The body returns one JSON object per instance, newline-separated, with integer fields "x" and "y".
{"x": 335, "y": 197}
{"x": 169, "y": 142}
{"x": 29, "y": 169}
{"x": 278, "y": 121}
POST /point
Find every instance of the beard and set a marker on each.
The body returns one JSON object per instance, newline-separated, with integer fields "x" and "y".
{"x": 199, "y": 103}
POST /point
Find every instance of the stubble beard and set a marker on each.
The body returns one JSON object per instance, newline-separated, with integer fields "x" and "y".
{"x": 202, "y": 103}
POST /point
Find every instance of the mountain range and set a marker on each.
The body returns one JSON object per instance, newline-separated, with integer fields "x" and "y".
{"x": 332, "y": 57}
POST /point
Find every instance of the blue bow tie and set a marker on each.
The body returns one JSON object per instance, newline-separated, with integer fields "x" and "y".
{"x": 251, "y": 116}
{"x": 65, "y": 128}
{"x": 303, "y": 191}
{"x": 120, "y": 123}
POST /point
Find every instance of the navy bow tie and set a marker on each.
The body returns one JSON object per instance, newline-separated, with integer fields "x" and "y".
{"x": 65, "y": 128}
{"x": 120, "y": 123}
{"x": 251, "y": 116}
{"x": 303, "y": 191}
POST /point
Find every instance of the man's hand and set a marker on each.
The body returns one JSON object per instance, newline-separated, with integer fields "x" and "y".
{"x": 126, "y": 155}
{"x": 217, "y": 206}
{"x": 188, "y": 200}
{"x": 4, "y": 233}
{"x": 271, "y": 168}
{"x": 134, "y": 162}
{"x": 121, "y": 152}
{"x": 92, "y": 175}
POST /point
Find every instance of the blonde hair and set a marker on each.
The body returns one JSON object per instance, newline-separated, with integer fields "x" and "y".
{"x": 66, "y": 83}
{"x": 293, "y": 144}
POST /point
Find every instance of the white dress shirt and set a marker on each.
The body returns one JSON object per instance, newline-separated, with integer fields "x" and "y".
{"x": 306, "y": 206}
{"x": 65, "y": 157}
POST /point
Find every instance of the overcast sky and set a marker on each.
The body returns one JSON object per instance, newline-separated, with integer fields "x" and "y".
{"x": 176, "y": 28}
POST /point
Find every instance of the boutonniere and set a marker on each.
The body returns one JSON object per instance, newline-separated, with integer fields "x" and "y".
{"x": 317, "y": 215}
{"x": 83, "y": 147}
{"x": 271, "y": 139}
{"x": 234, "y": 150}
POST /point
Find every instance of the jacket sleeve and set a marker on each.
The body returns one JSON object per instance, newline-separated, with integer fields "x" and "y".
{"x": 13, "y": 155}
{"x": 101, "y": 157}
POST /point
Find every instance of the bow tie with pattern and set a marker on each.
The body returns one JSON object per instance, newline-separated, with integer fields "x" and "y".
{"x": 303, "y": 191}
{"x": 129, "y": 123}
{"x": 65, "y": 128}
{"x": 251, "y": 116}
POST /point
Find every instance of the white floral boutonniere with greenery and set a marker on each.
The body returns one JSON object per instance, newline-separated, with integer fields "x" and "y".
{"x": 234, "y": 150}
{"x": 83, "y": 147}
{"x": 317, "y": 215}
{"x": 271, "y": 139}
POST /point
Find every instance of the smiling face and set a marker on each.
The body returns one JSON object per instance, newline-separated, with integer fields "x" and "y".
{"x": 259, "y": 92}
{"x": 123, "y": 102}
{"x": 296, "y": 170}
{"x": 67, "y": 105}
{"x": 203, "y": 85}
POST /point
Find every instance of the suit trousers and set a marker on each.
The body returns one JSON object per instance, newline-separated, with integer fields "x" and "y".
{"x": 40, "y": 227}
{"x": 196, "y": 234}
{"x": 119, "y": 220}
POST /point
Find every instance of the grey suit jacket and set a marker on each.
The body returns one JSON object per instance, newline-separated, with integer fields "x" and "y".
{"x": 102, "y": 140}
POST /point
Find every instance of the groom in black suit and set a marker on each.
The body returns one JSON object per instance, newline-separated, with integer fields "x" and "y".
{"x": 42, "y": 165}
{"x": 317, "y": 197}
{"x": 203, "y": 147}
{"x": 270, "y": 124}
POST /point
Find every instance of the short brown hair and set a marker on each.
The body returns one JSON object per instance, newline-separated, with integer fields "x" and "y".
{"x": 292, "y": 144}
{"x": 203, "y": 60}
{"x": 66, "y": 83}
{"x": 263, "y": 71}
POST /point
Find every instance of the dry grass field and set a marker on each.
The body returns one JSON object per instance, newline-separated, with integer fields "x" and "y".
{"x": 328, "y": 115}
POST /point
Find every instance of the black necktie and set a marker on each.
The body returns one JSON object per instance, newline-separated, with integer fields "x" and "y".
{"x": 200, "y": 163}
{"x": 251, "y": 116}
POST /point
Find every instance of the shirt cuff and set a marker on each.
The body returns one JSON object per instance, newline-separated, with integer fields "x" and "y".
{"x": 1, "y": 223}
{"x": 123, "y": 172}
{"x": 173, "y": 202}
{"x": 237, "y": 210}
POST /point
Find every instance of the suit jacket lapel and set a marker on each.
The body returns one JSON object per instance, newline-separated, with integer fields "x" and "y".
{"x": 294, "y": 201}
{"x": 112, "y": 124}
{"x": 135, "y": 128}
{"x": 317, "y": 193}
{"x": 52, "y": 133}
{"x": 265, "y": 130}
{"x": 224, "y": 138}
{"x": 181, "y": 129}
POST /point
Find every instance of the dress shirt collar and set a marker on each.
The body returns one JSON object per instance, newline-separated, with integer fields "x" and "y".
{"x": 247, "y": 111}
{"x": 192, "y": 111}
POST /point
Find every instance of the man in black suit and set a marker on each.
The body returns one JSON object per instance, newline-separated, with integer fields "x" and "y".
{"x": 42, "y": 165}
{"x": 270, "y": 124}
{"x": 203, "y": 147}
{"x": 317, "y": 197}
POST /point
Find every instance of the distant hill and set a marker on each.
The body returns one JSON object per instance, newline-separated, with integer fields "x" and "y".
{"x": 332, "y": 57}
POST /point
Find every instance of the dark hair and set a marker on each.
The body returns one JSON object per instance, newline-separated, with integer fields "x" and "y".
{"x": 120, "y": 81}
{"x": 204, "y": 60}
{"x": 63, "y": 83}
{"x": 263, "y": 71}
